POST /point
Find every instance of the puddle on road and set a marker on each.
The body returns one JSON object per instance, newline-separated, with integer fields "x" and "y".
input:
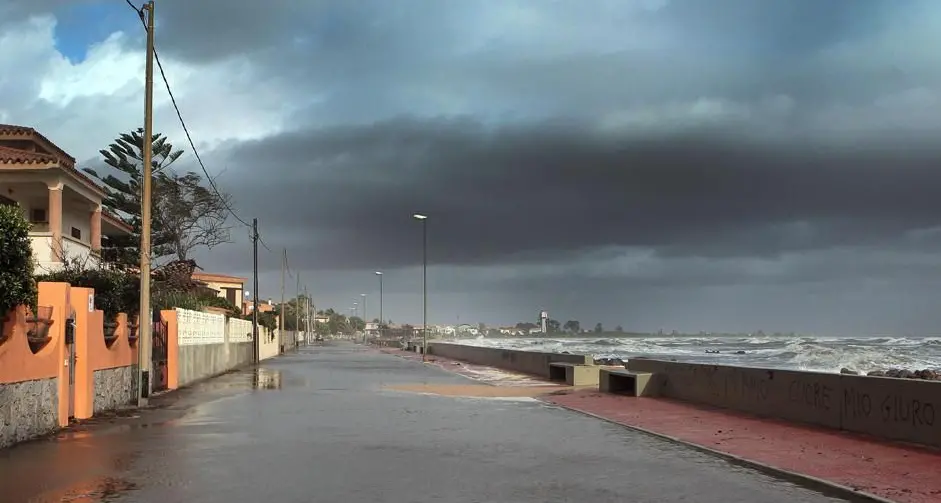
{"x": 264, "y": 378}
{"x": 475, "y": 390}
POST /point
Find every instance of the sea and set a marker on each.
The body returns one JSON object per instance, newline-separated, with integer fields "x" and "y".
{"x": 821, "y": 354}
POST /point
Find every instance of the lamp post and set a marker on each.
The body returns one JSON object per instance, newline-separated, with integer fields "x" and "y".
{"x": 424, "y": 281}
{"x": 379, "y": 273}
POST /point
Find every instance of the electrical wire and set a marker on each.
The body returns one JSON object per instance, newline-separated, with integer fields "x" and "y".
{"x": 189, "y": 138}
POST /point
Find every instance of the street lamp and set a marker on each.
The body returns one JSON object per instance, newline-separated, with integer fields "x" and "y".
{"x": 363, "y": 295}
{"x": 379, "y": 273}
{"x": 424, "y": 280}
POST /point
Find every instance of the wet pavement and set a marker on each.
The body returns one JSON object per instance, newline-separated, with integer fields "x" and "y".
{"x": 337, "y": 423}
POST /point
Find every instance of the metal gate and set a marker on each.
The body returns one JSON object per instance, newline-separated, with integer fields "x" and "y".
{"x": 159, "y": 356}
{"x": 70, "y": 359}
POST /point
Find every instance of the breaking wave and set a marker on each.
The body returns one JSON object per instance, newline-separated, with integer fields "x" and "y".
{"x": 824, "y": 354}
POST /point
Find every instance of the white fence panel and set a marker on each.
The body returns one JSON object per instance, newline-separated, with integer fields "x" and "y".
{"x": 195, "y": 328}
{"x": 240, "y": 330}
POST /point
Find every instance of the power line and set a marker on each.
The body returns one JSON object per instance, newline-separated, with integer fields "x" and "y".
{"x": 189, "y": 137}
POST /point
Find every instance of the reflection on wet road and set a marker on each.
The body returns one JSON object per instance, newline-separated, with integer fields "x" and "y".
{"x": 340, "y": 424}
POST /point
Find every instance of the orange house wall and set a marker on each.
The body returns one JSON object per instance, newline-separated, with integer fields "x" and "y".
{"x": 17, "y": 361}
{"x": 93, "y": 353}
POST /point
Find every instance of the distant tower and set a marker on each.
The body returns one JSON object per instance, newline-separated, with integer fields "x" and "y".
{"x": 543, "y": 320}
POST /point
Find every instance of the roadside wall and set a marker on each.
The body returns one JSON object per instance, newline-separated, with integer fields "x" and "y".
{"x": 36, "y": 396}
{"x": 269, "y": 346}
{"x": 105, "y": 375}
{"x": 897, "y": 409}
{"x": 31, "y": 401}
{"x": 288, "y": 341}
{"x": 528, "y": 362}
{"x": 387, "y": 343}
{"x": 207, "y": 345}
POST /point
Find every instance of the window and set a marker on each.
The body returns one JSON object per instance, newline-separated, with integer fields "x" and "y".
{"x": 5, "y": 201}
{"x": 76, "y": 233}
{"x": 38, "y": 216}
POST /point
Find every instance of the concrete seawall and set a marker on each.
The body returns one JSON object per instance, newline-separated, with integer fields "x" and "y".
{"x": 527, "y": 362}
{"x": 896, "y": 409}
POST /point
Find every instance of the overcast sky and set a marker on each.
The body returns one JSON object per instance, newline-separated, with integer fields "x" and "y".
{"x": 676, "y": 164}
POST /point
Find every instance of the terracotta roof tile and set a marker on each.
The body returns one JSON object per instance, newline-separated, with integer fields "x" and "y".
{"x": 9, "y": 155}
{"x": 63, "y": 159}
{"x": 14, "y": 130}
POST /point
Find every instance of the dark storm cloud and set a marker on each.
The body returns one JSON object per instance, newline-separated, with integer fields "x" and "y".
{"x": 497, "y": 194}
{"x": 372, "y": 59}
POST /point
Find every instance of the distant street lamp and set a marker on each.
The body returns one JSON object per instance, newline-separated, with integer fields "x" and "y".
{"x": 379, "y": 273}
{"x": 424, "y": 280}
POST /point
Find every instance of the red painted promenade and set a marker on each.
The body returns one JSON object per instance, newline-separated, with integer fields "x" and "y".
{"x": 894, "y": 471}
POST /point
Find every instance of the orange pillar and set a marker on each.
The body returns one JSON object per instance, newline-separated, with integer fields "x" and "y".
{"x": 56, "y": 295}
{"x": 55, "y": 221}
{"x": 95, "y": 226}
{"x": 84, "y": 387}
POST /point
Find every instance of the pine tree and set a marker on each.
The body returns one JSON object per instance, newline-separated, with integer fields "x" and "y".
{"x": 123, "y": 196}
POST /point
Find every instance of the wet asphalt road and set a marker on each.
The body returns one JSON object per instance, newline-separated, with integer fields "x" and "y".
{"x": 318, "y": 426}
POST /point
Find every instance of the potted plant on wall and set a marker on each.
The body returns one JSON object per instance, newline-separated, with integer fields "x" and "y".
{"x": 38, "y": 322}
{"x": 17, "y": 286}
{"x": 130, "y": 302}
{"x": 111, "y": 287}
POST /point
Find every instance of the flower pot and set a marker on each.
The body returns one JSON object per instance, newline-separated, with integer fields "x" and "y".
{"x": 37, "y": 328}
{"x": 133, "y": 332}
{"x": 110, "y": 332}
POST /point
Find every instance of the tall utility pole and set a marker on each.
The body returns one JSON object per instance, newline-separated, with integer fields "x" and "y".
{"x": 145, "y": 342}
{"x": 365, "y": 317}
{"x": 283, "y": 310}
{"x": 256, "y": 343}
{"x": 297, "y": 310}
{"x": 307, "y": 310}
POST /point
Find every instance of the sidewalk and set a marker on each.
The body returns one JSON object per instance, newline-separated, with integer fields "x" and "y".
{"x": 894, "y": 471}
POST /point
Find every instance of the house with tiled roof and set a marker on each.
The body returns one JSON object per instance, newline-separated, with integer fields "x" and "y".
{"x": 62, "y": 204}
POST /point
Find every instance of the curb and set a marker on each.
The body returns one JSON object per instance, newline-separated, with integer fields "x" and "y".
{"x": 825, "y": 487}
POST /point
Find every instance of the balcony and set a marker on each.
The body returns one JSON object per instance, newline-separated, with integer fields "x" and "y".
{"x": 47, "y": 257}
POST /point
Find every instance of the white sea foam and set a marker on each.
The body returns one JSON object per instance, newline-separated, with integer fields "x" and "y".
{"x": 826, "y": 354}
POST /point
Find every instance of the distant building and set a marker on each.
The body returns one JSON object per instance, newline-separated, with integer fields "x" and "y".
{"x": 230, "y": 288}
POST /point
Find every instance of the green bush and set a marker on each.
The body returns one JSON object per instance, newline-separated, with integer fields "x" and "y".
{"x": 266, "y": 319}
{"x": 17, "y": 286}
{"x": 115, "y": 291}
{"x": 172, "y": 300}
{"x": 193, "y": 301}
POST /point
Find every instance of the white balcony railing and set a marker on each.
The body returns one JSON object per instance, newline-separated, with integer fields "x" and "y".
{"x": 72, "y": 249}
